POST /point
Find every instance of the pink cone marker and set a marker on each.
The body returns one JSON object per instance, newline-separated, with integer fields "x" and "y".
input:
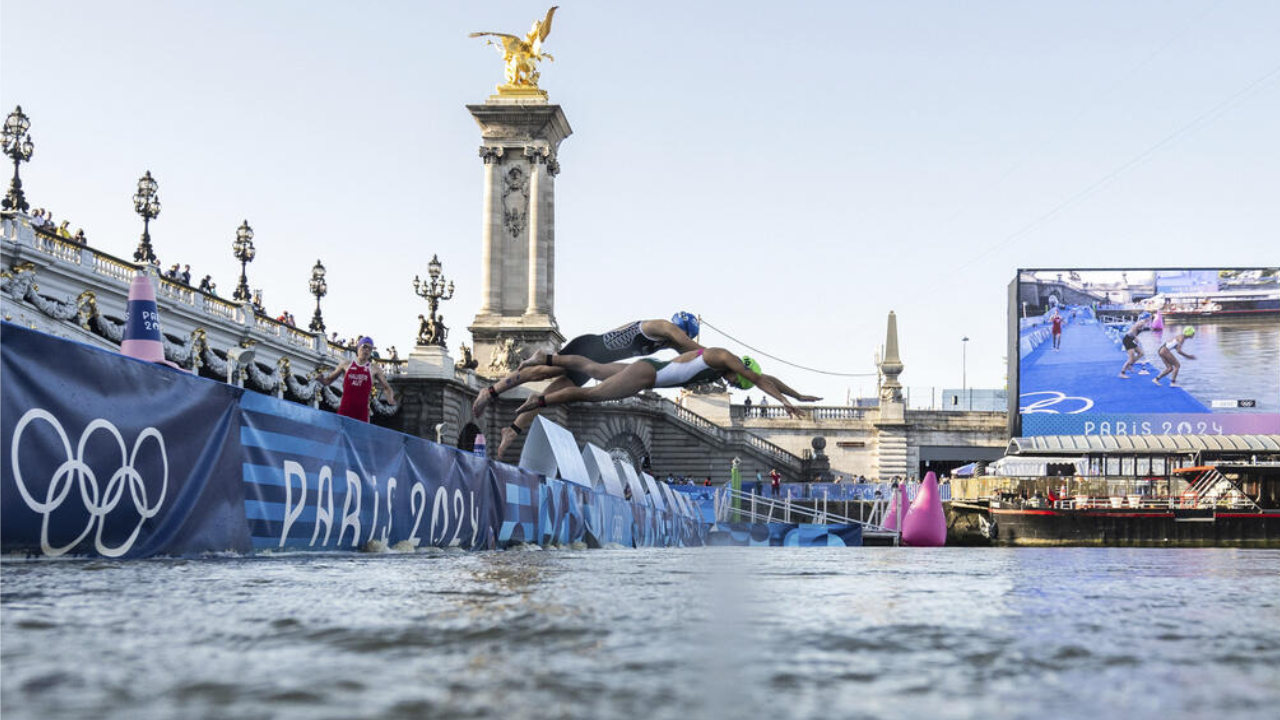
{"x": 899, "y": 497}
{"x": 142, "y": 326}
{"x": 925, "y": 524}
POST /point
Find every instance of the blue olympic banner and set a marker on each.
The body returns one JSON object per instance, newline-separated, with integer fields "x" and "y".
{"x": 111, "y": 456}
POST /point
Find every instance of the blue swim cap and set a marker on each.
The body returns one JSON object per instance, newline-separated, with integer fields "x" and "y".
{"x": 686, "y": 322}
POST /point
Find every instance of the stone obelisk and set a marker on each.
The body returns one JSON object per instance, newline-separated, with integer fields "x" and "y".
{"x": 521, "y": 138}
{"x": 891, "y": 423}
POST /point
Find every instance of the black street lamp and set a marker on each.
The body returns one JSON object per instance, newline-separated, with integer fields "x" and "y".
{"x": 244, "y": 252}
{"x": 147, "y": 204}
{"x": 432, "y": 330}
{"x": 318, "y": 288}
{"x": 17, "y": 145}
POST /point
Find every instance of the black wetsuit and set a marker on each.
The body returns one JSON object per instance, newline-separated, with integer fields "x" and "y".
{"x": 1130, "y": 339}
{"x": 617, "y": 344}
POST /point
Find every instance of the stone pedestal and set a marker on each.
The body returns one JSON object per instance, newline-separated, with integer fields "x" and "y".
{"x": 430, "y": 361}
{"x": 521, "y": 139}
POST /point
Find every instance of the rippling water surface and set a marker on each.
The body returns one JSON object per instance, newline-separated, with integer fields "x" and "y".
{"x": 706, "y": 633}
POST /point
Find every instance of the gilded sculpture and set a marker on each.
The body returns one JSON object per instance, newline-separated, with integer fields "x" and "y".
{"x": 521, "y": 56}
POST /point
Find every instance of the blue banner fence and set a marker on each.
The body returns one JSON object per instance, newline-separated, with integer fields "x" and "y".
{"x": 106, "y": 455}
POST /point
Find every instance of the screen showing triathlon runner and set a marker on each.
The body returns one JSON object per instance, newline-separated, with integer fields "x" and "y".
{"x": 1148, "y": 352}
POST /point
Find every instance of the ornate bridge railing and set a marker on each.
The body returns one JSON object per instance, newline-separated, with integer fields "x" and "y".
{"x": 777, "y": 412}
{"x": 81, "y": 294}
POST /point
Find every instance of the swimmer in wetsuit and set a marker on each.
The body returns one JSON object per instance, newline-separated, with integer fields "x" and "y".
{"x": 620, "y": 380}
{"x": 1131, "y": 346}
{"x": 1171, "y": 363}
{"x": 637, "y": 339}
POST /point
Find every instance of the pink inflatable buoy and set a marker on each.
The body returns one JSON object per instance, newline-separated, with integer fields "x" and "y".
{"x": 925, "y": 524}
{"x": 1158, "y": 325}
{"x": 142, "y": 339}
{"x": 898, "y": 499}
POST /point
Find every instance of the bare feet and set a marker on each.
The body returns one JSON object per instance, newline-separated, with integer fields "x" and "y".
{"x": 533, "y": 403}
{"x": 482, "y": 401}
{"x": 1126, "y": 377}
{"x": 538, "y": 358}
{"x": 1155, "y": 380}
{"x": 508, "y": 437}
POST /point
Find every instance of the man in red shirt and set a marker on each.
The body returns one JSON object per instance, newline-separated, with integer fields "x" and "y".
{"x": 1057, "y": 331}
{"x": 775, "y": 481}
{"x": 357, "y": 383}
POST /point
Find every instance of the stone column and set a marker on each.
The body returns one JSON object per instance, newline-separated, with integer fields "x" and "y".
{"x": 491, "y": 285}
{"x": 517, "y": 308}
{"x": 537, "y": 246}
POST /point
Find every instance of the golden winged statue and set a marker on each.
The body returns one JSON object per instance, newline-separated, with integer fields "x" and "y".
{"x": 522, "y": 55}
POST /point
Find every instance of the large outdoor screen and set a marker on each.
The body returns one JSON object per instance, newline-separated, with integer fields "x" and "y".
{"x": 1145, "y": 352}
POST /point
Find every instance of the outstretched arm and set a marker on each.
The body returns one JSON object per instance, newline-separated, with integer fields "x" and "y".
{"x": 792, "y": 391}
{"x": 724, "y": 360}
{"x": 670, "y": 332}
{"x": 342, "y": 367}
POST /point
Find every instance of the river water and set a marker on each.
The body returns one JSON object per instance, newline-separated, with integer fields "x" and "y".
{"x": 702, "y": 633}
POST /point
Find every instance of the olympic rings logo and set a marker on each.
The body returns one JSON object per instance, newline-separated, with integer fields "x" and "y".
{"x": 1046, "y": 405}
{"x": 74, "y": 470}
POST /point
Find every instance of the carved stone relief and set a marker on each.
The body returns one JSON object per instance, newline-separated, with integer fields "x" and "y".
{"x": 515, "y": 201}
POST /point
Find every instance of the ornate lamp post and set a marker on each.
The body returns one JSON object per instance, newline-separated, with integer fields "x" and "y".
{"x": 17, "y": 145}
{"x": 147, "y": 204}
{"x": 432, "y": 330}
{"x": 318, "y": 288}
{"x": 245, "y": 253}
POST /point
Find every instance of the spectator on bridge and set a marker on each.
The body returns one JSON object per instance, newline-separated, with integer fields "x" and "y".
{"x": 79, "y": 237}
{"x": 746, "y": 404}
{"x": 185, "y": 275}
{"x": 637, "y": 339}
{"x": 775, "y": 481}
{"x": 839, "y": 479}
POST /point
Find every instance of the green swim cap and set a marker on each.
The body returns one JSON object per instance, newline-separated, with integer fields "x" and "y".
{"x": 1188, "y": 331}
{"x": 752, "y": 365}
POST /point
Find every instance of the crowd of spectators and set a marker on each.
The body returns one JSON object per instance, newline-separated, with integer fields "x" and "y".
{"x": 42, "y": 220}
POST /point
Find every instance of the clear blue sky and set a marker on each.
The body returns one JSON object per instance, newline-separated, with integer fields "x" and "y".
{"x": 792, "y": 171}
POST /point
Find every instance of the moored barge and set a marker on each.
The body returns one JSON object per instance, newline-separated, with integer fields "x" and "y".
{"x": 1217, "y": 491}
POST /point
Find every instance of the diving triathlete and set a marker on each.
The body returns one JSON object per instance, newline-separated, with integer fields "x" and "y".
{"x": 620, "y": 380}
{"x": 637, "y": 339}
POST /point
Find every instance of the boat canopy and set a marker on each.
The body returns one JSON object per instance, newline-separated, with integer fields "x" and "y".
{"x": 1142, "y": 444}
{"x": 1013, "y": 466}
